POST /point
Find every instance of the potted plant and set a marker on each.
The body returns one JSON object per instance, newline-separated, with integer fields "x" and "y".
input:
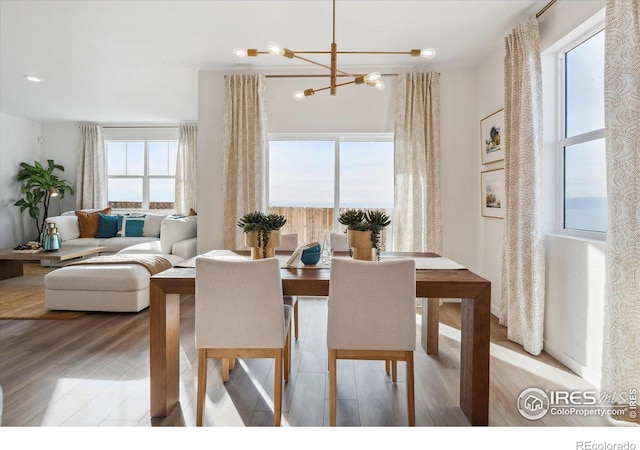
{"x": 41, "y": 184}
{"x": 364, "y": 232}
{"x": 262, "y": 233}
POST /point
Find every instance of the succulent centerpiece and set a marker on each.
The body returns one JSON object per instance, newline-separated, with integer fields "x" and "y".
{"x": 364, "y": 232}
{"x": 262, "y": 233}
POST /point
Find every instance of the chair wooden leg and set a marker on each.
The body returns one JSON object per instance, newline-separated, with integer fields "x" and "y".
{"x": 411, "y": 401}
{"x": 277, "y": 389}
{"x": 225, "y": 369}
{"x": 394, "y": 371}
{"x": 287, "y": 354}
{"x": 387, "y": 365}
{"x": 202, "y": 385}
{"x": 332, "y": 387}
{"x": 295, "y": 318}
{"x": 232, "y": 363}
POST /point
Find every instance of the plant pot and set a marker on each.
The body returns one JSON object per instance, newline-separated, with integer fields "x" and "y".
{"x": 251, "y": 241}
{"x": 360, "y": 242}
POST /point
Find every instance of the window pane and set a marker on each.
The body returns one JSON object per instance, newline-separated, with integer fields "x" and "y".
{"x": 124, "y": 190}
{"x": 135, "y": 158}
{"x": 116, "y": 158}
{"x": 158, "y": 158}
{"x": 366, "y": 175}
{"x": 585, "y": 86}
{"x": 585, "y": 202}
{"x": 162, "y": 190}
{"x": 173, "y": 157}
{"x": 301, "y": 173}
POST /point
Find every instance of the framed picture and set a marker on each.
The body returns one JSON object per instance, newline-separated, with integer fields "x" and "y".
{"x": 491, "y": 132}
{"x": 492, "y": 190}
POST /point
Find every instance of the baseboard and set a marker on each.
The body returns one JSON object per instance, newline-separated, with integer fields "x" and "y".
{"x": 590, "y": 376}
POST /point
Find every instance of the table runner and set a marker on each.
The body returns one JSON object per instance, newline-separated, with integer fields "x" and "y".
{"x": 422, "y": 263}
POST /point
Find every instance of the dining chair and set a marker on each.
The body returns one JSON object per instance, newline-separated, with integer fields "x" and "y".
{"x": 289, "y": 242}
{"x": 371, "y": 316}
{"x": 239, "y": 314}
{"x": 339, "y": 242}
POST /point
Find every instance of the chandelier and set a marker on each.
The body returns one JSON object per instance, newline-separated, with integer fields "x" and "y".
{"x": 373, "y": 79}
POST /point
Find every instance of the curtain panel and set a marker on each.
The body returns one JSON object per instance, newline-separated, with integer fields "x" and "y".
{"x": 91, "y": 190}
{"x": 621, "y": 353}
{"x": 186, "y": 167}
{"x": 416, "y": 215}
{"x": 523, "y": 265}
{"x": 245, "y": 147}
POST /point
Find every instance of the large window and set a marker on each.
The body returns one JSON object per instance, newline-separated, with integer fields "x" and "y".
{"x": 582, "y": 142}
{"x": 313, "y": 178}
{"x": 141, "y": 174}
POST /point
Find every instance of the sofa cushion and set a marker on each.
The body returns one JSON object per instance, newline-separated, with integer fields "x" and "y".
{"x": 67, "y": 226}
{"x": 107, "y": 226}
{"x": 132, "y": 226}
{"x": 175, "y": 229}
{"x": 152, "y": 224}
{"x": 150, "y": 248}
{"x": 88, "y": 222}
{"x": 119, "y": 243}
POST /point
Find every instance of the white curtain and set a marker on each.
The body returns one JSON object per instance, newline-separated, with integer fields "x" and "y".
{"x": 621, "y": 355}
{"x": 186, "y": 169}
{"x": 91, "y": 190}
{"x": 245, "y": 147}
{"x": 416, "y": 215}
{"x": 523, "y": 269}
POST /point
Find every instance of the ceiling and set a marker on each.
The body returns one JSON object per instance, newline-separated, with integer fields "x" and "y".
{"x": 138, "y": 61}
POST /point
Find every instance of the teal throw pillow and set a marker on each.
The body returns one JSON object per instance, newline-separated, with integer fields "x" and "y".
{"x": 132, "y": 227}
{"x": 107, "y": 226}
{"x": 120, "y": 219}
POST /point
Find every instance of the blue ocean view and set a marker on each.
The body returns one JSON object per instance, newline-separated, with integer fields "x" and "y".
{"x": 586, "y": 213}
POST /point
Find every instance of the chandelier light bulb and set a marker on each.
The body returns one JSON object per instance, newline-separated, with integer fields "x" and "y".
{"x": 427, "y": 52}
{"x": 379, "y": 85}
{"x": 372, "y": 78}
{"x": 240, "y": 52}
{"x": 298, "y": 95}
{"x": 275, "y": 49}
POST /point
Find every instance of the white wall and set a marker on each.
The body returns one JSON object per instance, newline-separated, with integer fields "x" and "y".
{"x": 356, "y": 109}
{"x": 62, "y": 143}
{"x": 18, "y": 143}
{"x": 575, "y": 268}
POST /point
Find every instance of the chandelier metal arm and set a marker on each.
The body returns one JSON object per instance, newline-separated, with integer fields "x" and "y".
{"x": 323, "y": 65}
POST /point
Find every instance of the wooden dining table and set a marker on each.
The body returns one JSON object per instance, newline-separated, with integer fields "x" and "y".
{"x": 431, "y": 285}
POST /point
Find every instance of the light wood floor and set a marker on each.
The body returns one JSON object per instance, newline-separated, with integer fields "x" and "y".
{"x": 94, "y": 371}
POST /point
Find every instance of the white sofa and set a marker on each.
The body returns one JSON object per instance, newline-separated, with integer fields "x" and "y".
{"x": 122, "y": 287}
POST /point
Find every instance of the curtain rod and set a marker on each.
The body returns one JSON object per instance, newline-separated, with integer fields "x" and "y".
{"x": 547, "y": 6}
{"x": 142, "y": 126}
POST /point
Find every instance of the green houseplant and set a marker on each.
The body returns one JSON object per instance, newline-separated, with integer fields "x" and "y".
{"x": 262, "y": 232}
{"x": 364, "y": 232}
{"x": 40, "y": 184}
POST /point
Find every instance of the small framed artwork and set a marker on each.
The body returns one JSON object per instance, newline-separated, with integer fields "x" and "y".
{"x": 492, "y": 189}
{"x": 491, "y": 131}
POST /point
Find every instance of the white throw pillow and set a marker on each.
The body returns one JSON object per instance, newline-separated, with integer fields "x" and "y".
{"x": 174, "y": 229}
{"x": 67, "y": 226}
{"x": 152, "y": 224}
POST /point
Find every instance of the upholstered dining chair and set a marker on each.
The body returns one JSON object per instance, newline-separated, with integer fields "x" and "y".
{"x": 289, "y": 242}
{"x": 339, "y": 242}
{"x": 371, "y": 316}
{"x": 239, "y": 314}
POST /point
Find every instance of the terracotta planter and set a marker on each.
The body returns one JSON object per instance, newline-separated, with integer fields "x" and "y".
{"x": 251, "y": 241}
{"x": 360, "y": 242}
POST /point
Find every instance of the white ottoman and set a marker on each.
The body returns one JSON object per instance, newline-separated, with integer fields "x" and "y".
{"x": 110, "y": 287}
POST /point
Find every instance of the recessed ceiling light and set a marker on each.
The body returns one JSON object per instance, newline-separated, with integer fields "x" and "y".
{"x": 33, "y": 79}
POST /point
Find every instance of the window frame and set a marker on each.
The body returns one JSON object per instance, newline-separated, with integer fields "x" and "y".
{"x": 562, "y": 141}
{"x": 146, "y": 177}
{"x": 337, "y": 138}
